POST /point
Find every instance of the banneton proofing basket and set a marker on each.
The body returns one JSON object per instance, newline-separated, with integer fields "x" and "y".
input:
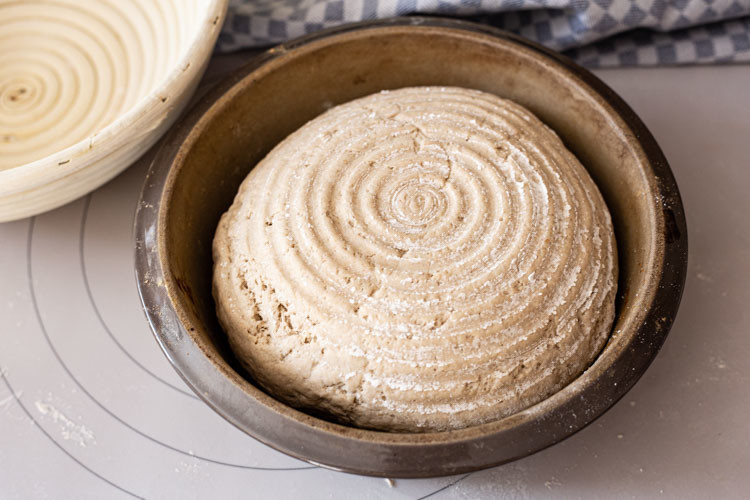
{"x": 198, "y": 170}
{"x": 86, "y": 87}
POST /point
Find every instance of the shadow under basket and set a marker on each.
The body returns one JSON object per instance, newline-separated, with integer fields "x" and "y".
{"x": 205, "y": 158}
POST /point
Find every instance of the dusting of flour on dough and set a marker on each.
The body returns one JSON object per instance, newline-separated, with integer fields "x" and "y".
{"x": 428, "y": 258}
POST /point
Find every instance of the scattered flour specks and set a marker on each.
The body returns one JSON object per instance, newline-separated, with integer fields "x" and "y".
{"x": 187, "y": 468}
{"x": 508, "y": 481}
{"x": 551, "y": 483}
{"x": 717, "y": 362}
{"x": 5, "y": 401}
{"x": 69, "y": 430}
{"x": 704, "y": 277}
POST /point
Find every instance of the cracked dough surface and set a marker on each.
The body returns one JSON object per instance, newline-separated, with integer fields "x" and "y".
{"x": 417, "y": 260}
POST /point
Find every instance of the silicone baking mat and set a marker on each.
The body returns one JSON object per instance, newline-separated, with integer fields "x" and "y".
{"x": 90, "y": 408}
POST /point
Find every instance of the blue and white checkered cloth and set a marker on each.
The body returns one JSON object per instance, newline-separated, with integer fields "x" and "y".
{"x": 596, "y": 33}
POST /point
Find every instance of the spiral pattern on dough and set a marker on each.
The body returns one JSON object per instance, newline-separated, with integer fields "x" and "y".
{"x": 68, "y": 68}
{"x": 421, "y": 259}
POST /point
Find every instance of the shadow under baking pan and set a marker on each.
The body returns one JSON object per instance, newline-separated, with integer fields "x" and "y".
{"x": 201, "y": 165}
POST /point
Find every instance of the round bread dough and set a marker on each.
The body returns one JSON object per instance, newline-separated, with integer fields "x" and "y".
{"x": 421, "y": 259}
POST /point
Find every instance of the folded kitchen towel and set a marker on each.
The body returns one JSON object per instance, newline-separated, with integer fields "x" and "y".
{"x": 597, "y": 33}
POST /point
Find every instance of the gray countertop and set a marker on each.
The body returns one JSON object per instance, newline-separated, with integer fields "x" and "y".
{"x": 90, "y": 408}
